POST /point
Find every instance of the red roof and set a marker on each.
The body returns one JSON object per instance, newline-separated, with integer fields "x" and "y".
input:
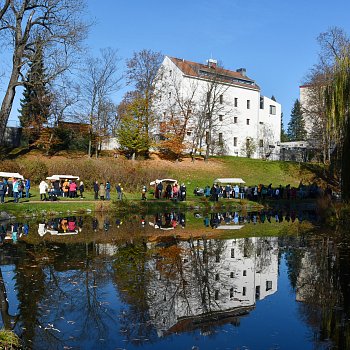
{"x": 204, "y": 71}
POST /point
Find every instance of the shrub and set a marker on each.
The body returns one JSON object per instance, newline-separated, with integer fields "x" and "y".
{"x": 36, "y": 170}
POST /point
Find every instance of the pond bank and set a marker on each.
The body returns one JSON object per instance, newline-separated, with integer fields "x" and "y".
{"x": 38, "y": 208}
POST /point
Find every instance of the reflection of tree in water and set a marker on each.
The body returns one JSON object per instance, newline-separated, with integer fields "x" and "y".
{"x": 132, "y": 278}
{"x": 30, "y": 286}
{"x": 65, "y": 280}
{"x": 321, "y": 278}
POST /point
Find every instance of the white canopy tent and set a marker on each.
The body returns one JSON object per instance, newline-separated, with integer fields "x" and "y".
{"x": 229, "y": 180}
{"x": 157, "y": 181}
{"x": 11, "y": 175}
{"x": 62, "y": 177}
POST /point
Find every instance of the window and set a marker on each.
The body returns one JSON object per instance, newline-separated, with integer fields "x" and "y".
{"x": 261, "y": 103}
{"x": 248, "y": 104}
{"x": 231, "y": 275}
{"x": 170, "y": 73}
{"x": 244, "y": 272}
{"x": 220, "y": 138}
{"x": 189, "y": 133}
{"x": 236, "y": 102}
{"x": 217, "y": 277}
{"x": 272, "y": 109}
{"x": 235, "y": 119}
{"x": 221, "y": 99}
{"x": 216, "y": 295}
{"x": 220, "y": 118}
{"x": 231, "y": 292}
{"x": 164, "y": 114}
{"x": 268, "y": 285}
{"x": 217, "y": 258}
{"x": 257, "y": 292}
{"x": 261, "y": 143}
{"x": 244, "y": 291}
{"x": 235, "y": 141}
{"x": 170, "y": 94}
{"x": 208, "y": 96}
{"x": 248, "y": 121}
{"x": 232, "y": 253}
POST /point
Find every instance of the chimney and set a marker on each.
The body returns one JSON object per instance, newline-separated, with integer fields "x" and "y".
{"x": 212, "y": 63}
{"x": 242, "y": 71}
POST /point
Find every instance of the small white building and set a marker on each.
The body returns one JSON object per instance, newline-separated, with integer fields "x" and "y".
{"x": 243, "y": 122}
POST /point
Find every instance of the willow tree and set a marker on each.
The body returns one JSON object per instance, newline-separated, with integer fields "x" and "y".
{"x": 338, "y": 106}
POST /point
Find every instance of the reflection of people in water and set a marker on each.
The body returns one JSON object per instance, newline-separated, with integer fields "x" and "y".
{"x": 94, "y": 224}
{"x": 14, "y": 230}
{"x": 106, "y": 224}
{"x": 289, "y": 215}
{"x": 64, "y": 225}
{"x": 80, "y": 223}
{"x": 71, "y": 224}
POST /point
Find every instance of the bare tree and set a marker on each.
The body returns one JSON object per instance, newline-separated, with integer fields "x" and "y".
{"x": 58, "y": 23}
{"x": 99, "y": 80}
{"x": 179, "y": 116}
{"x": 213, "y": 109}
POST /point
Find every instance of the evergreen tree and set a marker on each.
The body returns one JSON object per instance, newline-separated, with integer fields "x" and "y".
{"x": 296, "y": 126}
{"x": 132, "y": 134}
{"x": 284, "y": 136}
{"x": 35, "y": 104}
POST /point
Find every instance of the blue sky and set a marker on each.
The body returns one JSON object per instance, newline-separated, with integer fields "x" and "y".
{"x": 275, "y": 40}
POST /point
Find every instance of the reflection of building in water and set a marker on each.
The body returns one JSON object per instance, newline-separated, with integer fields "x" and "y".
{"x": 203, "y": 282}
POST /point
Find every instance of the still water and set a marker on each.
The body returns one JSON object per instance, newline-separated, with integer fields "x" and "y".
{"x": 177, "y": 281}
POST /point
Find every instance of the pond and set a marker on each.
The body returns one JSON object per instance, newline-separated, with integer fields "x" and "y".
{"x": 263, "y": 280}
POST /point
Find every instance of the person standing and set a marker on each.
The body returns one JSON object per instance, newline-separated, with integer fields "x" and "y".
{"x": 183, "y": 192}
{"x": 102, "y": 191}
{"x": 160, "y": 190}
{"x": 27, "y": 188}
{"x": 65, "y": 188}
{"x": 96, "y": 188}
{"x": 43, "y": 189}
{"x": 15, "y": 189}
{"x": 108, "y": 190}
{"x": 143, "y": 194}
{"x": 72, "y": 189}
{"x": 81, "y": 188}
{"x": 119, "y": 192}
{"x": 2, "y": 191}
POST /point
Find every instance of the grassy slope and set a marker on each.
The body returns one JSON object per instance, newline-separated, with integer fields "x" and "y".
{"x": 253, "y": 171}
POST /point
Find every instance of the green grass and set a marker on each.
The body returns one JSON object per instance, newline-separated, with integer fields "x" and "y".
{"x": 252, "y": 171}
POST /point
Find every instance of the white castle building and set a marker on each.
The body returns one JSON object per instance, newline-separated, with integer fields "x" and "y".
{"x": 241, "y": 119}
{"x": 214, "y": 281}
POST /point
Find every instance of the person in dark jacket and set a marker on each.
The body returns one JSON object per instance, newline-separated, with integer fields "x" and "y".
{"x": 81, "y": 189}
{"x": 96, "y": 189}
{"x": 2, "y": 191}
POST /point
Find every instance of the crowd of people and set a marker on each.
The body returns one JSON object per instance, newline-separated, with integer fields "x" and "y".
{"x": 170, "y": 191}
{"x": 16, "y": 188}
{"x": 261, "y": 192}
{"x": 71, "y": 188}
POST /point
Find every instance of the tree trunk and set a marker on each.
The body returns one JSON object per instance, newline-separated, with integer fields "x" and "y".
{"x": 7, "y": 102}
